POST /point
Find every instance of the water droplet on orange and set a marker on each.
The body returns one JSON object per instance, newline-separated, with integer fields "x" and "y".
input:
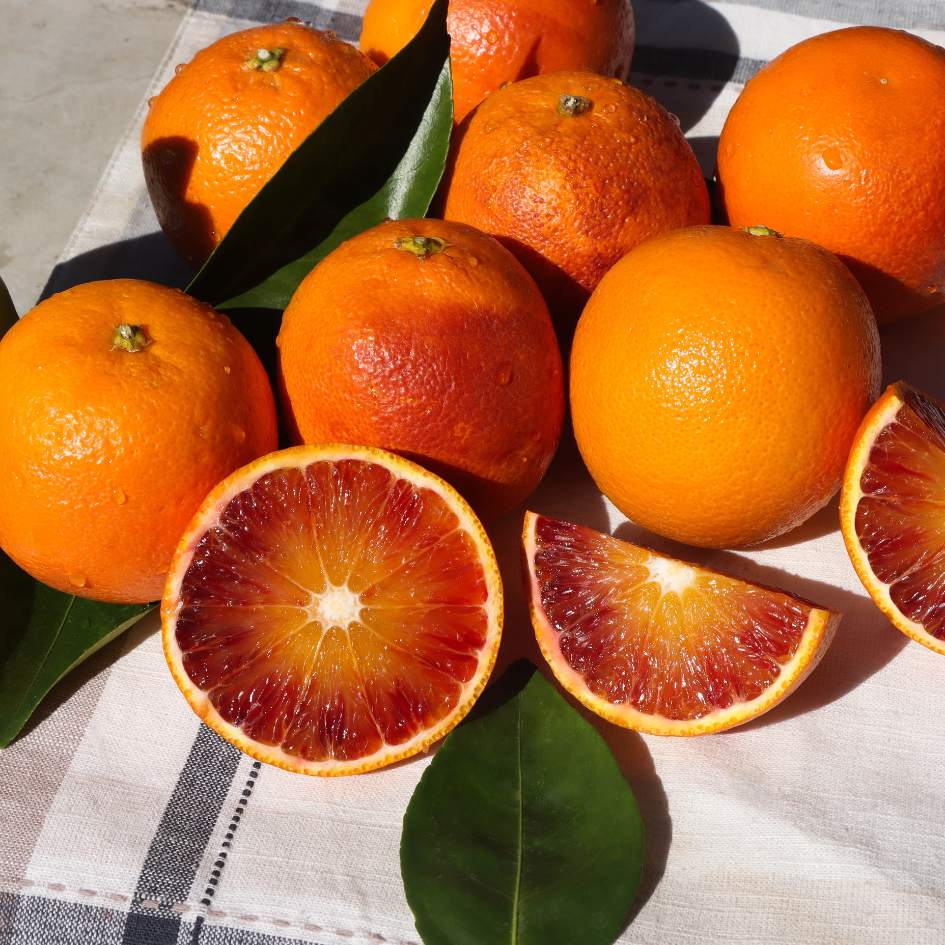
{"x": 78, "y": 580}
{"x": 227, "y": 369}
{"x": 179, "y": 68}
{"x": 504, "y": 374}
{"x": 833, "y": 158}
{"x": 119, "y": 496}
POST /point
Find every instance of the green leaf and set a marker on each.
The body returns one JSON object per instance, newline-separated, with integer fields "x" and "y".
{"x": 379, "y": 155}
{"x": 522, "y": 831}
{"x": 45, "y": 634}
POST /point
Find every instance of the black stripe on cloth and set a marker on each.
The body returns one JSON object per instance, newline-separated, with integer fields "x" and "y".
{"x": 708, "y": 65}
{"x": 180, "y": 841}
{"x": 35, "y": 920}
{"x": 346, "y": 25}
{"x": 219, "y": 864}
{"x": 901, "y": 14}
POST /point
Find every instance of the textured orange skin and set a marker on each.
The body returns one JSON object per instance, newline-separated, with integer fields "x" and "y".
{"x": 718, "y": 380}
{"x": 881, "y": 207}
{"x": 107, "y": 454}
{"x": 571, "y": 195}
{"x": 500, "y": 41}
{"x": 451, "y": 360}
{"x": 218, "y": 131}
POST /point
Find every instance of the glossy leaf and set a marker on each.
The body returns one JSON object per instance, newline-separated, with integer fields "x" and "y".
{"x": 522, "y": 831}
{"x": 44, "y": 634}
{"x": 379, "y": 155}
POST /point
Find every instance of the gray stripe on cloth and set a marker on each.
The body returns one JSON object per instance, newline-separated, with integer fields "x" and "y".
{"x": 33, "y": 767}
{"x": 180, "y": 841}
{"x": 346, "y": 25}
{"x": 901, "y": 14}
{"x": 36, "y": 920}
{"x": 219, "y": 864}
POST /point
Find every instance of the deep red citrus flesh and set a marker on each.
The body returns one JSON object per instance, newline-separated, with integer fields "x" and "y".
{"x": 658, "y": 635}
{"x": 900, "y": 519}
{"x": 333, "y": 609}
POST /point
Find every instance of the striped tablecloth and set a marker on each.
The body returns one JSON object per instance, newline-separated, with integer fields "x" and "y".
{"x": 122, "y": 820}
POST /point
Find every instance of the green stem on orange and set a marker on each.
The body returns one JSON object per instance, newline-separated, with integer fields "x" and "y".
{"x": 572, "y": 105}
{"x": 763, "y": 231}
{"x": 421, "y": 246}
{"x": 266, "y": 60}
{"x": 130, "y": 338}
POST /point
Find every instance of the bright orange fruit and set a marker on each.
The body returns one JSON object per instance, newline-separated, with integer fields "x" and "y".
{"x": 892, "y": 511}
{"x": 571, "y": 171}
{"x": 494, "y": 42}
{"x": 841, "y": 140}
{"x": 332, "y": 609}
{"x": 718, "y": 378}
{"x": 659, "y": 645}
{"x": 122, "y": 403}
{"x": 228, "y": 120}
{"x": 429, "y": 339}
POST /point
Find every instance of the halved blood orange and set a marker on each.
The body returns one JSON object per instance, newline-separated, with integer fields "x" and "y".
{"x": 892, "y": 511}
{"x": 332, "y": 609}
{"x": 659, "y": 645}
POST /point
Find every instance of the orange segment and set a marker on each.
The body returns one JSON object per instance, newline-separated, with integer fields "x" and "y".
{"x": 658, "y": 645}
{"x": 332, "y": 609}
{"x": 892, "y": 511}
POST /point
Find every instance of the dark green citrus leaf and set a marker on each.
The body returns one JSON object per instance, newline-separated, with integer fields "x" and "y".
{"x": 379, "y": 155}
{"x": 522, "y": 831}
{"x": 46, "y": 635}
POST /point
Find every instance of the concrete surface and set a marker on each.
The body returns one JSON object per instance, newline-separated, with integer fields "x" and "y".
{"x": 71, "y": 74}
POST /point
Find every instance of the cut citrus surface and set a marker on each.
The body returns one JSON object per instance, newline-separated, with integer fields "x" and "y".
{"x": 659, "y": 645}
{"x": 892, "y": 511}
{"x": 332, "y": 609}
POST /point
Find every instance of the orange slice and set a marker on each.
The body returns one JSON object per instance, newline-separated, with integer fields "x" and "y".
{"x": 659, "y": 645}
{"x": 892, "y": 511}
{"x": 332, "y": 609}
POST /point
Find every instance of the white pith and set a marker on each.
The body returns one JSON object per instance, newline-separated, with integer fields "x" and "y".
{"x": 673, "y": 577}
{"x": 336, "y": 606}
{"x": 818, "y": 633}
{"x": 338, "y": 601}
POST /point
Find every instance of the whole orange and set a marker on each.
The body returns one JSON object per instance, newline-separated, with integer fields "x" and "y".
{"x": 429, "y": 339}
{"x": 841, "y": 140}
{"x": 494, "y": 42}
{"x": 228, "y": 120}
{"x": 122, "y": 403}
{"x": 718, "y": 378}
{"x": 571, "y": 171}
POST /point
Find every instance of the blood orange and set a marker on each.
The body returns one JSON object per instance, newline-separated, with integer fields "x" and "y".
{"x": 658, "y": 645}
{"x": 892, "y": 511}
{"x": 332, "y": 609}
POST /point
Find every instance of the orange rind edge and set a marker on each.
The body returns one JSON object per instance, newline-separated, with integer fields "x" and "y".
{"x": 878, "y": 417}
{"x": 821, "y": 627}
{"x": 301, "y": 456}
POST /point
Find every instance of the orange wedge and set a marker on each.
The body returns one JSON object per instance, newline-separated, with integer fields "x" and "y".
{"x": 892, "y": 511}
{"x": 332, "y": 609}
{"x": 659, "y": 645}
